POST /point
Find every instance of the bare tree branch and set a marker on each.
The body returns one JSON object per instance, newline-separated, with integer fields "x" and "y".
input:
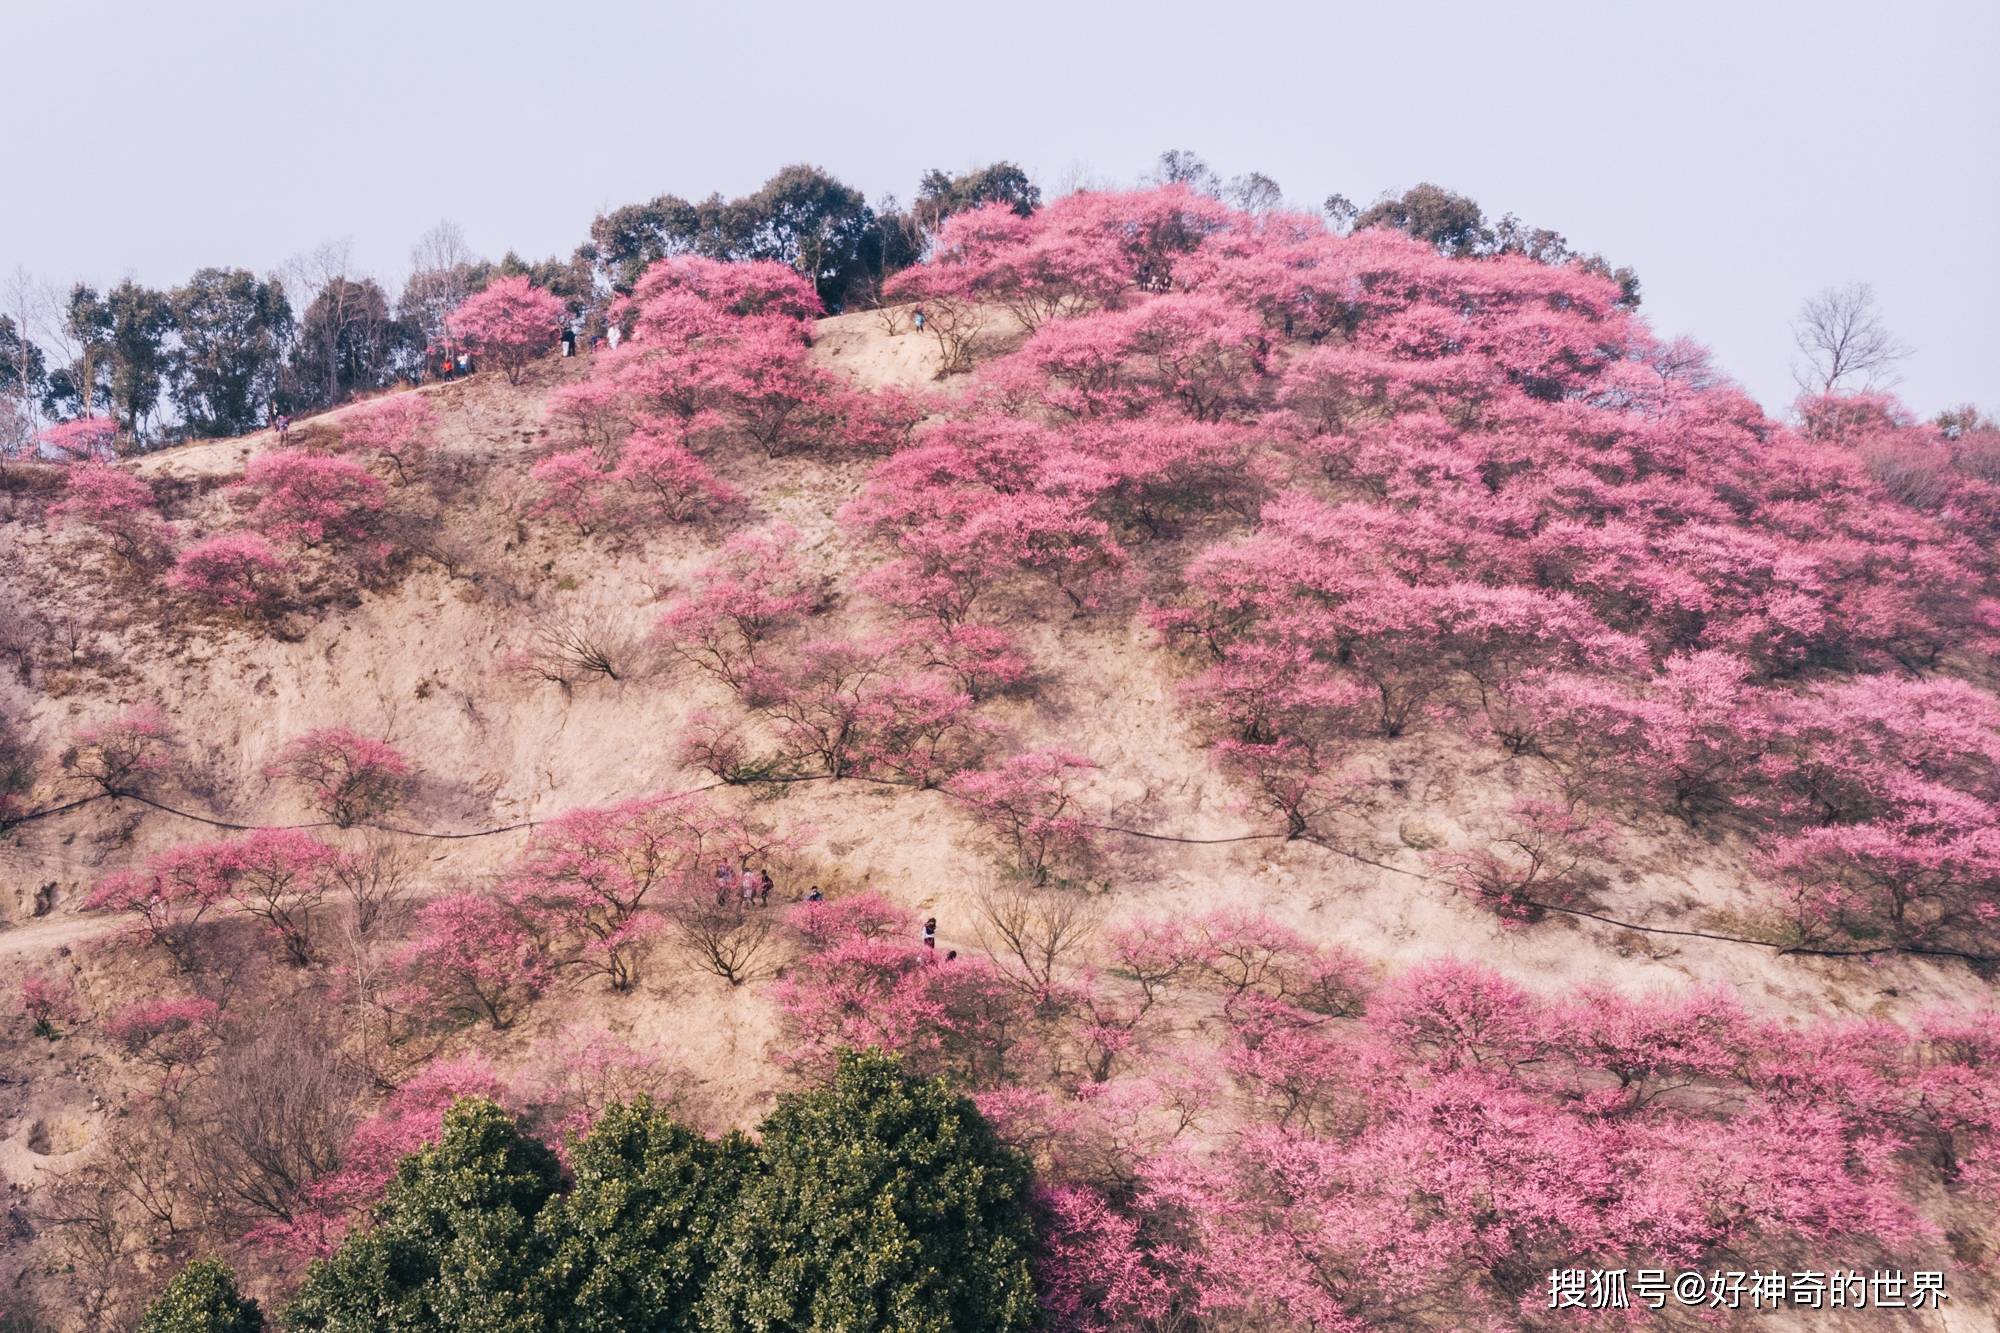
{"x": 1843, "y": 343}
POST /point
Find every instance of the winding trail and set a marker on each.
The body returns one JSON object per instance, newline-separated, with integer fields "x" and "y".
{"x": 48, "y": 935}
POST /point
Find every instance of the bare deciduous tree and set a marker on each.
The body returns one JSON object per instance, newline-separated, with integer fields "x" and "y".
{"x": 573, "y": 643}
{"x": 1029, "y": 933}
{"x": 273, "y": 1118}
{"x": 373, "y": 878}
{"x": 19, "y": 413}
{"x": 441, "y": 271}
{"x": 1254, "y": 192}
{"x": 1180, "y": 166}
{"x": 729, "y": 939}
{"x": 955, "y": 324}
{"x": 80, "y": 1214}
{"x": 1843, "y": 343}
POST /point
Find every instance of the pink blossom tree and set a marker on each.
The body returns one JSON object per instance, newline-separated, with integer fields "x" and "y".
{"x": 508, "y": 324}
{"x": 668, "y": 480}
{"x": 894, "y": 994}
{"x": 49, "y": 1003}
{"x": 410, "y": 1118}
{"x": 865, "y": 915}
{"x": 169, "y": 1034}
{"x": 472, "y": 959}
{"x": 846, "y": 708}
{"x": 572, "y": 484}
{"x": 312, "y": 500}
{"x": 168, "y": 898}
{"x": 738, "y": 603}
{"x": 236, "y": 571}
{"x": 349, "y": 777}
{"x": 1915, "y": 886}
{"x": 84, "y": 440}
{"x": 124, "y": 754}
{"x": 1541, "y": 855}
{"x": 280, "y": 877}
{"x": 1031, "y": 803}
{"x": 590, "y": 877}
{"x": 118, "y": 507}
{"x": 398, "y": 431}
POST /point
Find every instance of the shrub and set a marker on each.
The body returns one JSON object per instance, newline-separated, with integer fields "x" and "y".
{"x": 116, "y": 505}
{"x": 398, "y": 430}
{"x": 590, "y": 414}
{"x": 237, "y": 571}
{"x": 202, "y": 1298}
{"x": 844, "y": 707}
{"x": 453, "y": 1244}
{"x": 313, "y": 500}
{"x": 350, "y": 778}
{"x": 48, "y": 1002}
{"x": 472, "y": 959}
{"x": 567, "y": 644}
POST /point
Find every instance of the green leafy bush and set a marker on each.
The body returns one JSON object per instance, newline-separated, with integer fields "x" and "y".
{"x": 203, "y": 1298}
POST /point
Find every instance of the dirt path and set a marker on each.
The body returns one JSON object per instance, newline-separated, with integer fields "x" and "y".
{"x": 46, "y": 935}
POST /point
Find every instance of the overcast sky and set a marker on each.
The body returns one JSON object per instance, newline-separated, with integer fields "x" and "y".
{"x": 1741, "y": 156}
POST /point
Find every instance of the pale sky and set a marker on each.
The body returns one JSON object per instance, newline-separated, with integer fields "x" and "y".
{"x": 1741, "y": 156}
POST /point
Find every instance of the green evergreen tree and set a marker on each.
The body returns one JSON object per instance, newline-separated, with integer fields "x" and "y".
{"x": 453, "y": 1246}
{"x": 634, "y": 1240}
{"x": 884, "y": 1202}
{"x": 202, "y": 1298}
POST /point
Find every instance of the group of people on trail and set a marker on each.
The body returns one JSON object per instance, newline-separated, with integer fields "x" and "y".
{"x": 754, "y": 886}
{"x": 566, "y": 334}
{"x": 447, "y": 363}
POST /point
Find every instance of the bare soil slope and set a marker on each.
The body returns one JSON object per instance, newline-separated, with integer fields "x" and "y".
{"x": 419, "y": 661}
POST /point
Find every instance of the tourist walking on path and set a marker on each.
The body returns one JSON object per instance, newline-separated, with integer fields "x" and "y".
{"x": 930, "y": 934}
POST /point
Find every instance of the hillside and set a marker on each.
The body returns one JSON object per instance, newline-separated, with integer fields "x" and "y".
{"x": 1316, "y": 618}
